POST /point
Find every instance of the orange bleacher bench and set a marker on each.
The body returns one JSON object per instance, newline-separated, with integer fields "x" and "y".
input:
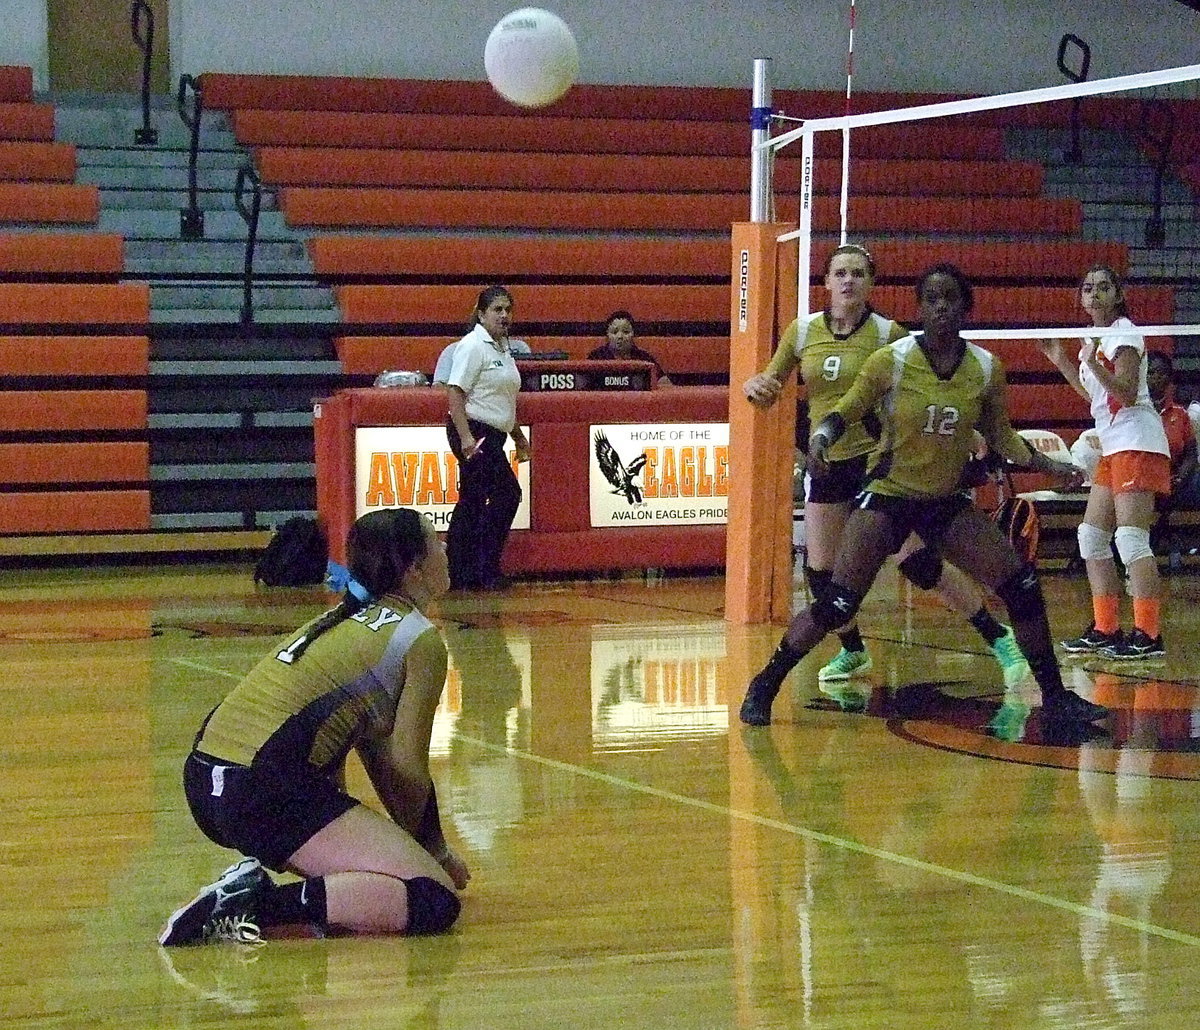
{"x": 585, "y": 135}
{"x": 90, "y": 462}
{"x": 451, "y": 305}
{"x": 16, "y": 84}
{"x": 75, "y": 511}
{"x": 37, "y": 162}
{"x": 74, "y": 355}
{"x": 231, "y": 91}
{"x": 27, "y": 121}
{"x": 1016, "y": 305}
{"x": 74, "y": 303}
{"x": 503, "y": 259}
{"x": 62, "y": 253}
{"x": 23, "y": 411}
{"x": 68, "y": 203}
{"x": 389, "y": 208}
{"x": 340, "y": 166}
{"x": 709, "y": 303}
{"x": 488, "y": 258}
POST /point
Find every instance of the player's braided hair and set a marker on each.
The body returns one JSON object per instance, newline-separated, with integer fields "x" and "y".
{"x": 381, "y": 547}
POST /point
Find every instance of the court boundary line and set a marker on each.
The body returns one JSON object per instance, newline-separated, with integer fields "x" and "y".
{"x": 846, "y": 844}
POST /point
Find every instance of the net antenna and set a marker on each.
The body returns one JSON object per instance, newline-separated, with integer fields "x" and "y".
{"x": 806, "y": 133}
{"x": 846, "y": 131}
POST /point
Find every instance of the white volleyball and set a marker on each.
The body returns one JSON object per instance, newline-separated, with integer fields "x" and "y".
{"x": 531, "y": 57}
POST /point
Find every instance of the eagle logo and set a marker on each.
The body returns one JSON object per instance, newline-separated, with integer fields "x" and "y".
{"x": 620, "y": 475}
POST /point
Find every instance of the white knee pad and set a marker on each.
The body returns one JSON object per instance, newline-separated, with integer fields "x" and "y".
{"x": 1133, "y": 544}
{"x": 1094, "y": 543}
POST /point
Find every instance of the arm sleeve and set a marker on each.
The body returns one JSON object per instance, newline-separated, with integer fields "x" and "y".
{"x": 785, "y": 357}
{"x": 466, "y": 366}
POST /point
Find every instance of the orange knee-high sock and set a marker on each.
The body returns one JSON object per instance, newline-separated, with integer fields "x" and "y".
{"x": 1106, "y": 613}
{"x": 1147, "y": 615}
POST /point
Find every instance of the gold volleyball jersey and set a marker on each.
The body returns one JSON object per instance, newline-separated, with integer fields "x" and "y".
{"x": 309, "y": 712}
{"x": 928, "y": 423}
{"x": 829, "y": 364}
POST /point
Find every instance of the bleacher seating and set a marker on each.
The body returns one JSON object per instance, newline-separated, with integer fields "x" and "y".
{"x": 413, "y": 195}
{"x": 408, "y": 214}
{"x": 74, "y": 357}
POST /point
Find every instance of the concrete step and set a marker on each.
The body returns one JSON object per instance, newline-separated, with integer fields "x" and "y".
{"x": 125, "y": 157}
{"x": 206, "y": 294}
{"x": 161, "y": 178}
{"x": 262, "y": 316}
{"x": 201, "y": 263}
{"x": 219, "y": 224}
{"x": 213, "y": 253}
{"x": 108, "y": 121}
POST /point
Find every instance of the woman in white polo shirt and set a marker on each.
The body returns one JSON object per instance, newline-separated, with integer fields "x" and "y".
{"x": 1134, "y": 466}
{"x": 482, "y": 388}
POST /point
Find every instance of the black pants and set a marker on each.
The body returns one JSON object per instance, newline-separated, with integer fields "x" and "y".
{"x": 488, "y": 497}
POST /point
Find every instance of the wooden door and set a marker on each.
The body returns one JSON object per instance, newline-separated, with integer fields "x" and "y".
{"x": 92, "y": 46}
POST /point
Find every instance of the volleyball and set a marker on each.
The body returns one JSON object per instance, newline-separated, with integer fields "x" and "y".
{"x": 531, "y": 57}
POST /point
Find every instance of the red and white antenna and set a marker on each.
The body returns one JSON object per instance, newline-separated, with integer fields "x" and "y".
{"x": 846, "y": 130}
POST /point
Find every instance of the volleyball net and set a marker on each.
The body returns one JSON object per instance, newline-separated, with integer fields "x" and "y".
{"x": 988, "y": 184}
{"x": 991, "y": 185}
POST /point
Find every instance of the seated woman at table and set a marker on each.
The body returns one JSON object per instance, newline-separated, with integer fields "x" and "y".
{"x": 619, "y": 345}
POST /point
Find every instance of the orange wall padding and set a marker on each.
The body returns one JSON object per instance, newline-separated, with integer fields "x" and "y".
{"x": 74, "y": 303}
{"x": 40, "y": 162}
{"x": 16, "y": 84}
{"x": 27, "y": 121}
{"x": 69, "y": 203}
{"x": 74, "y": 355}
{"x": 59, "y": 253}
{"x": 490, "y": 258}
{"x": 341, "y": 166}
{"x": 556, "y": 303}
{"x": 75, "y": 511}
{"x": 63, "y": 410}
{"x": 98, "y": 462}
{"x": 584, "y": 135}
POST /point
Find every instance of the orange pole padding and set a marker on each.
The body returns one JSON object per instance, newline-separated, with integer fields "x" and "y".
{"x": 758, "y": 561}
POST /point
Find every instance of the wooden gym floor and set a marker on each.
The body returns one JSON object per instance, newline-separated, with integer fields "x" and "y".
{"x": 640, "y": 859}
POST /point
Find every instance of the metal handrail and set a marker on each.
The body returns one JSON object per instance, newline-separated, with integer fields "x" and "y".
{"x": 191, "y": 218}
{"x": 247, "y": 174}
{"x": 1160, "y": 137}
{"x": 143, "y": 36}
{"x": 1075, "y": 155}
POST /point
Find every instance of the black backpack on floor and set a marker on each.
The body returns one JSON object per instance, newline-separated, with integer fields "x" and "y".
{"x": 296, "y": 555}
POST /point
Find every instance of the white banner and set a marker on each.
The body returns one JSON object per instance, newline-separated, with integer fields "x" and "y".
{"x": 659, "y": 475}
{"x": 413, "y": 467}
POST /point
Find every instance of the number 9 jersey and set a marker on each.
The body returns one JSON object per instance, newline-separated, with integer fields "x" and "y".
{"x": 829, "y": 363}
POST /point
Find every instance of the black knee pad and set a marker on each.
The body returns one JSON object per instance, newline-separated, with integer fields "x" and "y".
{"x": 1022, "y": 593}
{"x": 922, "y": 568}
{"x": 836, "y": 608}
{"x": 432, "y": 908}
{"x": 819, "y": 581}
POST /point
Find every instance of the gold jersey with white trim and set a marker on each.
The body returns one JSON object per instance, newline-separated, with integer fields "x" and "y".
{"x": 308, "y": 712}
{"x": 829, "y": 363}
{"x": 928, "y": 422}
